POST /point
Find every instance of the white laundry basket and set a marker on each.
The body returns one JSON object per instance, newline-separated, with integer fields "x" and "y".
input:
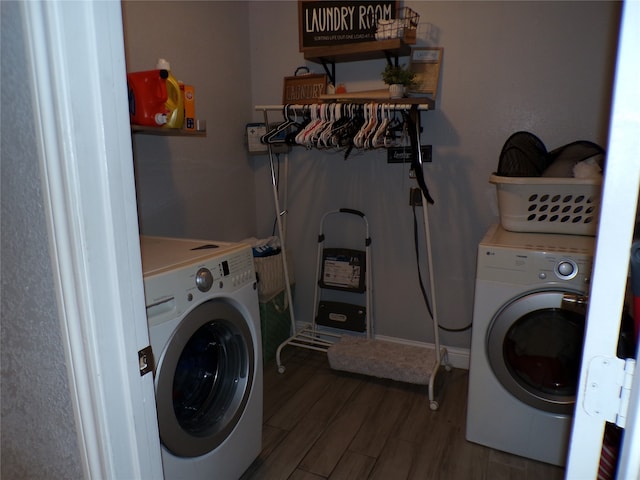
{"x": 548, "y": 205}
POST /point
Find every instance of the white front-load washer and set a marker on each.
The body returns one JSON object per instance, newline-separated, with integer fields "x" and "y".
{"x": 204, "y": 326}
{"x": 526, "y": 345}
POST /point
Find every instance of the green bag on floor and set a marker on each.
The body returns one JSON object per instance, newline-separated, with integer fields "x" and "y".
{"x": 275, "y": 323}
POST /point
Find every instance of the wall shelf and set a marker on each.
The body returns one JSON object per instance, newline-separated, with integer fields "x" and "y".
{"x": 423, "y": 103}
{"x": 358, "y": 51}
{"x": 167, "y": 132}
{"x": 379, "y": 96}
{"x": 390, "y": 49}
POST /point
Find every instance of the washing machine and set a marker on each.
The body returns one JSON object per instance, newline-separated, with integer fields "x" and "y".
{"x": 526, "y": 344}
{"x": 204, "y": 326}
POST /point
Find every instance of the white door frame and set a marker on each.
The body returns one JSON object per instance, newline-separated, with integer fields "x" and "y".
{"x": 78, "y": 69}
{"x": 75, "y": 52}
{"x": 619, "y": 200}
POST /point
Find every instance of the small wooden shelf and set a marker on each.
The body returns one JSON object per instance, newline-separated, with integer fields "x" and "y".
{"x": 167, "y": 132}
{"x": 352, "y": 52}
{"x": 394, "y": 47}
{"x": 377, "y": 96}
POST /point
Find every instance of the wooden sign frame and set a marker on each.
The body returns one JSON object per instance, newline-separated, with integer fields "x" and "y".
{"x": 425, "y": 63}
{"x": 324, "y": 23}
{"x": 304, "y": 89}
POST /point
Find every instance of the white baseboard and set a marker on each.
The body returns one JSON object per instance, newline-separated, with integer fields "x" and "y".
{"x": 458, "y": 357}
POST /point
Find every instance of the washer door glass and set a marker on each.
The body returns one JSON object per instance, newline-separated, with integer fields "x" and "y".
{"x": 535, "y": 350}
{"x": 204, "y": 379}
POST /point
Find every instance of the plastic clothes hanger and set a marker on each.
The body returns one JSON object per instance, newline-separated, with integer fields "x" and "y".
{"x": 348, "y": 134}
{"x": 324, "y": 139}
{"x": 343, "y": 117}
{"x": 308, "y": 136}
{"x": 315, "y": 134}
{"x": 302, "y": 136}
{"x": 379, "y": 136}
{"x": 395, "y": 133}
{"x": 372, "y": 128}
{"x": 358, "y": 140}
{"x": 272, "y": 135}
{"x": 290, "y": 139}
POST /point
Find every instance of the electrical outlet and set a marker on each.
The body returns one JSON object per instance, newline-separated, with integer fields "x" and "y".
{"x": 253, "y": 134}
{"x": 415, "y": 197}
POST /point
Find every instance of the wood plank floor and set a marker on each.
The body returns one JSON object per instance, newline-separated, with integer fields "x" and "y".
{"x": 324, "y": 424}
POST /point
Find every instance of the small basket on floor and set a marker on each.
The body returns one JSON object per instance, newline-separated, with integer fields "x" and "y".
{"x": 394, "y": 361}
{"x": 383, "y": 359}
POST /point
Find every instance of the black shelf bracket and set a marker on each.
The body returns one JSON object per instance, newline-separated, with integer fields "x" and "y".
{"x": 392, "y": 59}
{"x": 331, "y": 73}
{"x": 330, "y": 65}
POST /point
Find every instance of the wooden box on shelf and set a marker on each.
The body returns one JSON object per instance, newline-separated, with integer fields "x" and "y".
{"x": 425, "y": 63}
{"x": 302, "y": 89}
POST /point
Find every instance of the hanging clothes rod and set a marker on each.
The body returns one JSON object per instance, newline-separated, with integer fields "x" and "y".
{"x": 392, "y": 106}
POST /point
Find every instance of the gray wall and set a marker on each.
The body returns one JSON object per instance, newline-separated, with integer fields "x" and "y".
{"x": 541, "y": 66}
{"x": 546, "y": 67}
{"x": 196, "y": 187}
{"x": 38, "y": 434}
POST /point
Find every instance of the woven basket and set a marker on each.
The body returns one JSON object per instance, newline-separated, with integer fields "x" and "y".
{"x": 270, "y": 271}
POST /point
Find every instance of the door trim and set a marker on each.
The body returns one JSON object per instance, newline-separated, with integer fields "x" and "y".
{"x": 617, "y": 219}
{"x": 75, "y": 55}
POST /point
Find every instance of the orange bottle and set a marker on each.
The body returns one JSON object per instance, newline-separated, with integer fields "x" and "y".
{"x": 147, "y": 98}
{"x": 155, "y": 98}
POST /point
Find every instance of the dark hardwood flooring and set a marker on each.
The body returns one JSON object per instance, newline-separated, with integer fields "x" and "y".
{"x": 324, "y": 424}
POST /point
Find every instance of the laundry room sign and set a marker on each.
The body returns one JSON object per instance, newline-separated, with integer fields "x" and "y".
{"x": 324, "y": 23}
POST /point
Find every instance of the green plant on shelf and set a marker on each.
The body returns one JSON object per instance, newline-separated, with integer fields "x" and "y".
{"x": 398, "y": 75}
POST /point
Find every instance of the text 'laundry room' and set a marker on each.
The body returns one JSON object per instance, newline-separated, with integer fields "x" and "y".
{"x": 335, "y": 239}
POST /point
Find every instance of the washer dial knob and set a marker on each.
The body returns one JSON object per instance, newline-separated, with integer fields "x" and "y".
{"x": 566, "y": 269}
{"x": 204, "y": 279}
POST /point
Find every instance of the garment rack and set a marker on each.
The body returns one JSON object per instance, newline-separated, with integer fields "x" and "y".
{"x": 309, "y": 337}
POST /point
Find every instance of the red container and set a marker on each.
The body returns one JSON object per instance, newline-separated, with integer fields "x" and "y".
{"x": 148, "y": 97}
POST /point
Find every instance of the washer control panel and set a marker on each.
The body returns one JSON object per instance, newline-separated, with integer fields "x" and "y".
{"x": 534, "y": 258}
{"x": 528, "y": 267}
{"x": 225, "y": 273}
{"x": 171, "y": 292}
